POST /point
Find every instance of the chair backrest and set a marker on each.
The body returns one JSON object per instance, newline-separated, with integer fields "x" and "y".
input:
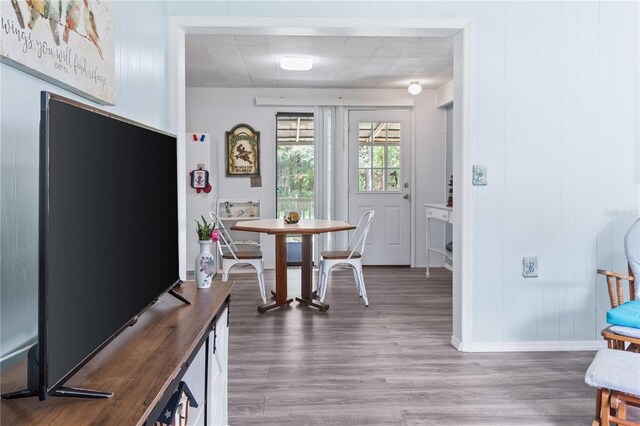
{"x": 360, "y": 234}
{"x": 225, "y": 242}
{"x": 616, "y": 291}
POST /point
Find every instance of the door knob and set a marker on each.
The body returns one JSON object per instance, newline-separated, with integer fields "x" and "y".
{"x": 405, "y": 196}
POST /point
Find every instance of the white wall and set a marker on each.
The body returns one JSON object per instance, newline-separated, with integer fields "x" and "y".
{"x": 556, "y": 113}
{"x": 218, "y": 110}
{"x": 554, "y": 117}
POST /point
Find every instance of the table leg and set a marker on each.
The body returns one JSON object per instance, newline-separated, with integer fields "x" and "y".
{"x": 307, "y": 275}
{"x": 281, "y": 276}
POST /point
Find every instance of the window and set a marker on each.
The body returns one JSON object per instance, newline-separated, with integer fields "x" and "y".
{"x": 295, "y": 173}
{"x": 379, "y": 157}
{"x": 295, "y": 164}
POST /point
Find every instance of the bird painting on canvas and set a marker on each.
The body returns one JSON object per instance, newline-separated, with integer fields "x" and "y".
{"x": 47, "y": 10}
{"x": 36, "y": 9}
{"x": 90, "y": 26}
{"x": 72, "y": 19}
{"x": 53, "y": 14}
{"x": 16, "y": 8}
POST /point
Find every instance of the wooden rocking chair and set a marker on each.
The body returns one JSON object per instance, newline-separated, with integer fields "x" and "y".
{"x": 618, "y": 337}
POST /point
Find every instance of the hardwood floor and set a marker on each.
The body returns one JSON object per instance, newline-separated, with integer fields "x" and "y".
{"x": 390, "y": 363}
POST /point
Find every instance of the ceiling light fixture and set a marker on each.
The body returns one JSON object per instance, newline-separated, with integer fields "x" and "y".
{"x": 296, "y": 63}
{"x": 414, "y": 88}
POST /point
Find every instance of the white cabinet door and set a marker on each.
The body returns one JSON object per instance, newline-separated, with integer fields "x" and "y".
{"x": 218, "y": 357}
{"x": 195, "y": 379}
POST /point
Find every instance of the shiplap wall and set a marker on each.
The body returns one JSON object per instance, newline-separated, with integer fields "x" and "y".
{"x": 554, "y": 117}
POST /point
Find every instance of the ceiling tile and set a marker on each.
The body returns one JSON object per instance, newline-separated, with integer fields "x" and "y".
{"x": 253, "y": 49}
{"x": 399, "y": 52}
{"x": 222, "y": 40}
{"x": 195, "y": 53}
{"x": 253, "y": 40}
{"x": 290, "y": 41}
{"x": 399, "y": 41}
{"x": 221, "y": 49}
{"x": 363, "y": 41}
{"x": 290, "y": 50}
{"x": 436, "y": 42}
{"x": 333, "y": 42}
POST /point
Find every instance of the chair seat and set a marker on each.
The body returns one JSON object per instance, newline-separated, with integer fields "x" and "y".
{"x": 615, "y": 370}
{"x": 340, "y": 254}
{"x": 625, "y": 331}
{"x": 245, "y": 255}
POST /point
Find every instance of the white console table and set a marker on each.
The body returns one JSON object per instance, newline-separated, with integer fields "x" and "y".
{"x": 437, "y": 212}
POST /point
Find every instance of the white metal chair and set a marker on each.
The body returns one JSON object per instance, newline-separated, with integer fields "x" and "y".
{"x": 347, "y": 258}
{"x": 231, "y": 256}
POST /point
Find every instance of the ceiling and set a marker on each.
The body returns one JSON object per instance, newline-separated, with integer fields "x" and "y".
{"x": 338, "y": 62}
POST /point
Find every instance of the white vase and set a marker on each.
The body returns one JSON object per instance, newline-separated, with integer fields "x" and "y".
{"x": 205, "y": 268}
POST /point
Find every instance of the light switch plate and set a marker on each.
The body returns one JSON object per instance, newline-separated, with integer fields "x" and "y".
{"x": 530, "y": 266}
{"x": 479, "y": 174}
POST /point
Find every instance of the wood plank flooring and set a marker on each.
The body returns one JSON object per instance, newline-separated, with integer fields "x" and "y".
{"x": 388, "y": 364}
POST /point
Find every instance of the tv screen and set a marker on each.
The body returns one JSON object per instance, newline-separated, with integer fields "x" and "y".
{"x": 108, "y": 230}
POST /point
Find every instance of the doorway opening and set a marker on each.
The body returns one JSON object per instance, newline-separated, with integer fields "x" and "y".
{"x": 459, "y": 30}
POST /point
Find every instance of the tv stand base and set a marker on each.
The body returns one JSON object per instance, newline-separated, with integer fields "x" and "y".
{"x": 32, "y": 385}
{"x": 62, "y": 392}
{"x": 178, "y": 296}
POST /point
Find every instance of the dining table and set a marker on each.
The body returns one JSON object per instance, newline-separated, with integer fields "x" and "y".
{"x": 307, "y": 228}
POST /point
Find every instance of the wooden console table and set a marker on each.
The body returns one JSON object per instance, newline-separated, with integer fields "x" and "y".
{"x": 437, "y": 212}
{"x": 142, "y": 366}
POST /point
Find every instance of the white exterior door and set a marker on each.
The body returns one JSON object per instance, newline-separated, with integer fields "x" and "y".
{"x": 379, "y": 161}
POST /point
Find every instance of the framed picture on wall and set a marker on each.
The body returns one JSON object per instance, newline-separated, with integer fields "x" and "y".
{"x": 67, "y": 43}
{"x": 243, "y": 151}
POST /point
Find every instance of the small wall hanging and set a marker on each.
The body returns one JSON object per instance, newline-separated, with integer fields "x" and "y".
{"x": 200, "y": 179}
{"x": 243, "y": 151}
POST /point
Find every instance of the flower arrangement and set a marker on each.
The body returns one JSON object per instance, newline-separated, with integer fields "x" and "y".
{"x": 207, "y": 230}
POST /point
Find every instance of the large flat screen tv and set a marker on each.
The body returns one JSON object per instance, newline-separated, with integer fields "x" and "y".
{"x": 108, "y": 233}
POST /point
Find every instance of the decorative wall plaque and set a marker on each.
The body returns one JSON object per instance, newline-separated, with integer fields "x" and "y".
{"x": 243, "y": 151}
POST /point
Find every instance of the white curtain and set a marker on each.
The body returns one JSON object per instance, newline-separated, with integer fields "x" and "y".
{"x": 324, "y": 137}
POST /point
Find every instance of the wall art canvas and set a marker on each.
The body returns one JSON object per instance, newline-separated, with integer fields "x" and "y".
{"x": 69, "y": 43}
{"x": 243, "y": 151}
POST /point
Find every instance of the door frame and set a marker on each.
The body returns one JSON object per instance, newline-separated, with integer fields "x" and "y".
{"x": 464, "y": 77}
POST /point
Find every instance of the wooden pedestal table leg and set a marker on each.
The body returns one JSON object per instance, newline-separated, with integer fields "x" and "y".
{"x": 281, "y": 276}
{"x": 307, "y": 275}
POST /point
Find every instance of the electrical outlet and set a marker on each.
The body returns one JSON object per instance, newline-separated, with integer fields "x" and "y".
{"x": 530, "y": 266}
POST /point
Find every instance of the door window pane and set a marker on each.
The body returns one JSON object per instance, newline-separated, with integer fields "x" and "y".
{"x": 393, "y": 180}
{"x": 364, "y": 180}
{"x": 378, "y": 180}
{"x": 364, "y": 157}
{"x": 393, "y": 157}
{"x": 378, "y": 156}
{"x": 379, "y": 159}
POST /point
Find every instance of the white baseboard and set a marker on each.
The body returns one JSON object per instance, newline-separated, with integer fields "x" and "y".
{"x": 545, "y": 346}
{"x": 456, "y": 343}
